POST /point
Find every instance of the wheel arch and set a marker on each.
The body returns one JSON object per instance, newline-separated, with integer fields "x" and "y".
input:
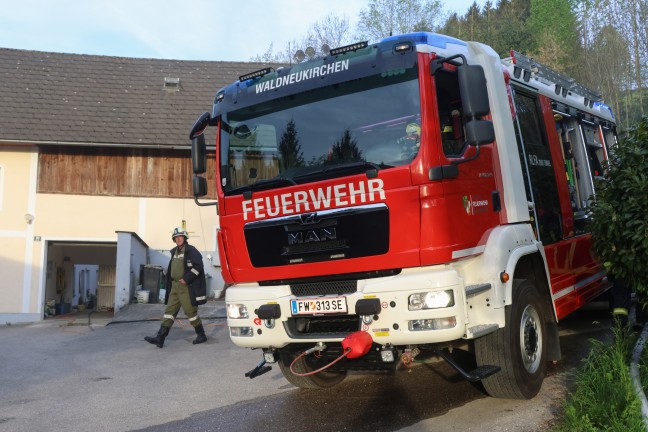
{"x": 532, "y": 267}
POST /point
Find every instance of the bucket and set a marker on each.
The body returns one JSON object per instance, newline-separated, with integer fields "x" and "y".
{"x": 143, "y": 296}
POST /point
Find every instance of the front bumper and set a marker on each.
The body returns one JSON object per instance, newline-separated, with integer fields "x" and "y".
{"x": 392, "y": 325}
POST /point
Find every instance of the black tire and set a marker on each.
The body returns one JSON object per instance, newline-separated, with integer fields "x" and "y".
{"x": 520, "y": 348}
{"x": 324, "y": 379}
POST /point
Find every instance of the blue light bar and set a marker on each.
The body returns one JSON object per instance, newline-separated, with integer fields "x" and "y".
{"x": 437, "y": 40}
{"x": 601, "y": 106}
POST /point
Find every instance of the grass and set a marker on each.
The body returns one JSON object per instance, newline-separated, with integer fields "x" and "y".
{"x": 604, "y": 398}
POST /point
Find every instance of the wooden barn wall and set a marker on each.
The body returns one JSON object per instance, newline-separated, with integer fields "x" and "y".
{"x": 119, "y": 172}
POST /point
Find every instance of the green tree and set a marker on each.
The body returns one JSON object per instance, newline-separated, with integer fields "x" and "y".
{"x": 620, "y": 210}
{"x": 290, "y": 148}
{"x": 453, "y": 26}
{"x": 474, "y": 21}
{"x": 346, "y": 148}
{"x": 511, "y": 28}
{"x": 610, "y": 77}
{"x": 555, "y": 27}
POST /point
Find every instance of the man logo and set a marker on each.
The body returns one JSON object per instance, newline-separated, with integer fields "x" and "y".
{"x": 310, "y": 236}
{"x": 308, "y": 218}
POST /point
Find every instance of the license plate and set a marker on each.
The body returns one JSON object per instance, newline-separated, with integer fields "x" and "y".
{"x": 328, "y": 305}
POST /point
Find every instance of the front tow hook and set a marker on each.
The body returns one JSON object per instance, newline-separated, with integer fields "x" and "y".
{"x": 259, "y": 370}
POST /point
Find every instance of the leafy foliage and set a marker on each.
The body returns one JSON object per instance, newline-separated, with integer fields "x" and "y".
{"x": 604, "y": 398}
{"x": 620, "y": 210}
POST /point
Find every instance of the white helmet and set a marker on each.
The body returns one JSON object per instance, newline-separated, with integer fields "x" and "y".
{"x": 178, "y": 231}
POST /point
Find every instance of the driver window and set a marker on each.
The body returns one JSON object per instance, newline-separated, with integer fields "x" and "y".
{"x": 450, "y": 113}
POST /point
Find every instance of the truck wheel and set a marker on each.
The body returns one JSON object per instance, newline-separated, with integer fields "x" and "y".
{"x": 319, "y": 380}
{"x": 519, "y": 348}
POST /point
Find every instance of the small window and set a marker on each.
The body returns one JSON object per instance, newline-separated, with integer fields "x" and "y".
{"x": 450, "y": 113}
{"x": 594, "y": 146}
{"x": 535, "y": 156}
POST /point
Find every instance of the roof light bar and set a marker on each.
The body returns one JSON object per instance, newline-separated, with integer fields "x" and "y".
{"x": 256, "y": 74}
{"x": 348, "y": 48}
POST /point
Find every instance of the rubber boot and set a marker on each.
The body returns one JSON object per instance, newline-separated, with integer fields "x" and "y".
{"x": 200, "y": 331}
{"x": 158, "y": 340}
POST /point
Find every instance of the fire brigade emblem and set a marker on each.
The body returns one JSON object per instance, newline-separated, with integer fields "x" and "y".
{"x": 467, "y": 205}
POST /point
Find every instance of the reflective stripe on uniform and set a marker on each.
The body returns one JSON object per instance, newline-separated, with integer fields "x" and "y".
{"x": 196, "y": 272}
{"x": 201, "y": 298}
{"x": 171, "y": 317}
{"x": 194, "y": 318}
{"x": 620, "y": 311}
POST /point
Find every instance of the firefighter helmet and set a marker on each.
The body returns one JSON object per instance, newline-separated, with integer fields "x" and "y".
{"x": 413, "y": 129}
{"x": 177, "y": 232}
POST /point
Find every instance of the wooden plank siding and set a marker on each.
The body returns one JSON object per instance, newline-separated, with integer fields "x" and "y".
{"x": 119, "y": 172}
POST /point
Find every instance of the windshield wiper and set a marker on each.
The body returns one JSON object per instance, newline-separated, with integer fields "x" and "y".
{"x": 262, "y": 185}
{"x": 369, "y": 168}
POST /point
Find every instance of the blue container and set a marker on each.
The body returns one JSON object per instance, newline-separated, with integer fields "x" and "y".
{"x": 62, "y": 308}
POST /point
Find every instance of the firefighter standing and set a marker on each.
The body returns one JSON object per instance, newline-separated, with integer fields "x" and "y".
{"x": 186, "y": 287}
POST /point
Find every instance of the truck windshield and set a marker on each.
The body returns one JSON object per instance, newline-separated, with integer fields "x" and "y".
{"x": 347, "y": 128}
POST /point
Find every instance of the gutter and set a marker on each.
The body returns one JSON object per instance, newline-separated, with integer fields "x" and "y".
{"x": 95, "y": 144}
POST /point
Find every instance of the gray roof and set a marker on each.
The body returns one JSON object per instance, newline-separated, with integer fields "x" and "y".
{"x": 53, "y": 98}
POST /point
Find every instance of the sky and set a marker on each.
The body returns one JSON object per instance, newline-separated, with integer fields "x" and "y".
{"x": 232, "y": 30}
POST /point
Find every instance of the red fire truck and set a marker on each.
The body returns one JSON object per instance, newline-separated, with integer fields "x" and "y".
{"x": 400, "y": 200}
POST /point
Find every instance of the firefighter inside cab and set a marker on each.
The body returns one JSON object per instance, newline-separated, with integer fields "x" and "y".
{"x": 452, "y": 133}
{"x": 411, "y": 142}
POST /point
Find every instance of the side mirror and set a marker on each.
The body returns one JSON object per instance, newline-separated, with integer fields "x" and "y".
{"x": 199, "y": 154}
{"x": 472, "y": 85}
{"x": 199, "y": 127}
{"x": 199, "y": 158}
{"x": 479, "y": 132}
{"x": 199, "y": 186}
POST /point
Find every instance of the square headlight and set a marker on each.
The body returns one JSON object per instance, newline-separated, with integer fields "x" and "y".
{"x": 431, "y": 300}
{"x": 237, "y": 311}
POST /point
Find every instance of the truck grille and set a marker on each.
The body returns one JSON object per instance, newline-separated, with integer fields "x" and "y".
{"x": 326, "y": 235}
{"x": 315, "y": 289}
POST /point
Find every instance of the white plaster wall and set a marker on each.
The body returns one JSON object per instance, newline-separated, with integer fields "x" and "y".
{"x": 78, "y": 218}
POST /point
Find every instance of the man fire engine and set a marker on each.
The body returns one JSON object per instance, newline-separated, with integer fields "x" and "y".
{"x": 347, "y": 253}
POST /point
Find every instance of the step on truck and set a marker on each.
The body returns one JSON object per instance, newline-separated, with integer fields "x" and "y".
{"x": 390, "y": 202}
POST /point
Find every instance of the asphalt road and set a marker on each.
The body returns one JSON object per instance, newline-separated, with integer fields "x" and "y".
{"x": 66, "y": 375}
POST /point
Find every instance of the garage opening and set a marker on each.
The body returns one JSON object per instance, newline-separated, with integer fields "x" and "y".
{"x": 80, "y": 278}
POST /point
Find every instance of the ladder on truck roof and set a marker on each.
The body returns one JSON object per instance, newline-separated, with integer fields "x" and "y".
{"x": 525, "y": 67}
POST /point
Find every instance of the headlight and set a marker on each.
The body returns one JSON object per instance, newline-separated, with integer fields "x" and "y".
{"x": 237, "y": 311}
{"x": 431, "y": 300}
{"x": 432, "y": 324}
{"x": 241, "y": 331}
